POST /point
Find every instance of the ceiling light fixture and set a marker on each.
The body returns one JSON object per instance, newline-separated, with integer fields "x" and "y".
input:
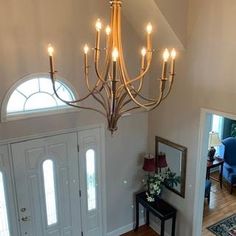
{"x": 115, "y": 92}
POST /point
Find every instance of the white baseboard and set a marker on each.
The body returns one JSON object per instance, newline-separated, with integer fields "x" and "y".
{"x": 124, "y": 229}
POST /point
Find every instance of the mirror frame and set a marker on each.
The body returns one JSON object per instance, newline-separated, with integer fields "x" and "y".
{"x": 183, "y": 150}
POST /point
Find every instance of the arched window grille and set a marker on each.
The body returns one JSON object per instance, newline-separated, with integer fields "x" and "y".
{"x": 34, "y": 95}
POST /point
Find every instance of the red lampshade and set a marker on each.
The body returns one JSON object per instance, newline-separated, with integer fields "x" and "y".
{"x": 161, "y": 160}
{"x": 149, "y": 163}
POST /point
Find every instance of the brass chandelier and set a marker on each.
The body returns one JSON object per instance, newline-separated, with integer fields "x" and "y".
{"x": 115, "y": 92}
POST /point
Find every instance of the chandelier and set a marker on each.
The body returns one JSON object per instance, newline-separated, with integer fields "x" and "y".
{"x": 114, "y": 91}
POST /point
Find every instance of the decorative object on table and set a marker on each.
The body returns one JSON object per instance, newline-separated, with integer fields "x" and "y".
{"x": 149, "y": 165}
{"x": 157, "y": 181}
{"x": 116, "y": 93}
{"x": 160, "y": 209}
{"x": 223, "y": 227}
{"x": 161, "y": 161}
{"x": 176, "y": 157}
{"x": 214, "y": 141}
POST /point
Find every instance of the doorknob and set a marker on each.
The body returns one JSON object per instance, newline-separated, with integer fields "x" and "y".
{"x": 25, "y": 218}
{"x": 23, "y": 209}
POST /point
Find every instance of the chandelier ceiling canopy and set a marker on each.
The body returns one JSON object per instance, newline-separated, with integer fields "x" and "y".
{"x": 115, "y": 92}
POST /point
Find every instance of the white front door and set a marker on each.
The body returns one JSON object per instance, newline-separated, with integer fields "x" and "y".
{"x": 91, "y": 168}
{"x": 47, "y": 186}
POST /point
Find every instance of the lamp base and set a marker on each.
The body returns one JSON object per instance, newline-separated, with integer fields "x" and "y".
{"x": 211, "y": 154}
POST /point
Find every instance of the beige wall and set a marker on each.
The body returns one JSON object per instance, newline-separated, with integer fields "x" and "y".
{"x": 27, "y": 26}
{"x": 205, "y": 78}
{"x": 176, "y": 14}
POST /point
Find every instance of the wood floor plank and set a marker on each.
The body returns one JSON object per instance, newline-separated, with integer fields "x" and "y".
{"x": 142, "y": 231}
{"x": 222, "y": 204}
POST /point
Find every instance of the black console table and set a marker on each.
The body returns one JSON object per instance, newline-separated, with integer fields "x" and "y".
{"x": 159, "y": 208}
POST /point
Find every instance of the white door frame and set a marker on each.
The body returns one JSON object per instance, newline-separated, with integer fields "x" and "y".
{"x": 201, "y": 166}
{"x": 10, "y": 141}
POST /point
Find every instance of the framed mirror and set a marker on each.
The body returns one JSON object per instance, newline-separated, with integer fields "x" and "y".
{"x": 173, "y": 156}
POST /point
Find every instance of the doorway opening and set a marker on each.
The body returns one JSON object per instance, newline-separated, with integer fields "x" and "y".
{"x": 216, "y": 175}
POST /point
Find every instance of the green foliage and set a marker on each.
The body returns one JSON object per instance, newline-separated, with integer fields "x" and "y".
{"x": 156, "y": 182}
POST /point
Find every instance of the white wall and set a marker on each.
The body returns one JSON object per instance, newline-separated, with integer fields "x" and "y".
{"x": 27, "y": 26}
{"x": 205, "y": 78}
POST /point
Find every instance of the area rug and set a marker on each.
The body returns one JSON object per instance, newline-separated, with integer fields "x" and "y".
{"x": 224, "y": 227}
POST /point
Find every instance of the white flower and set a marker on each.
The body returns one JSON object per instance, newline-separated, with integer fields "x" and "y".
{"x": 150, "y": 199}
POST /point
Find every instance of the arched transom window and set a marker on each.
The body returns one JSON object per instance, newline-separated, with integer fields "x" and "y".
{"x": 34, "y": 94}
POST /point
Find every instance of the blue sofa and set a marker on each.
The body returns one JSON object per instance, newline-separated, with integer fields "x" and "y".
{"x": 229, "y": 169}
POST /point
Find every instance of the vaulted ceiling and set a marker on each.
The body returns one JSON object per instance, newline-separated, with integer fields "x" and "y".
{"x": 168, "y": 17}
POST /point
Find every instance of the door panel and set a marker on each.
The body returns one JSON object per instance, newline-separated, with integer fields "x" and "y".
{"x": 8, "y": 219}
{"x": 90, "y": 175}
{"x": 28, "y": 160}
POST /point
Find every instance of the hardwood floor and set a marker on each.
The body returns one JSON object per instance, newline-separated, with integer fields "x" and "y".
{"x": 222, "y": 204}
{"x": 142, "y": 231}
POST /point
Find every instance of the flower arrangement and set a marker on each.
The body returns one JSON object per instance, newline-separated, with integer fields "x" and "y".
{"x": 156, "y": 182}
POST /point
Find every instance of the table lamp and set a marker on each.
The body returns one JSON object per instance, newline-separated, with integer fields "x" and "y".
{"x": 214, "y": 140}
{"x": 161, "y": 161}
{"x": 149, "y": 165}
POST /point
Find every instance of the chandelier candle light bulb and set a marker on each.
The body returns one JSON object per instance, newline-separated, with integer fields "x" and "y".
{"x": 108, "y": 33}
{"x": 86, "y": 49}
{"x": 115, "y": 54}
{"x": 50, "y": 53}
{"x": 114, "y": 90}
{"x": 98, "y": 27}
{"x": 166, "y": 56}
{"x": 149, "y": 31}
{"x": 108, "y": 30}
{"x": 143, "y": 53}
{"x": 173, "y": 56}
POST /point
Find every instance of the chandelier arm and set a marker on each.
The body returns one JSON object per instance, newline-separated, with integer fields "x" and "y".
{"x": 86, "y": 75}
{"x": 170, "y": 86}
{"x": 97, "y": 72}
{"x": 149, "y": 109}
{"x": 65, "y": 101}
{"x": 100, "y": 102}
{"x": 141, "y": 75}
{"x": 120, "y": 100}
{"x": 130, "y": 109}
{"x": 71, "y": 103}
{"x": 139, "y": 89}
{"x": 147, "y": 105}
{"x": 106, "y": 78}
{"x": 127, "y": 80}
{"x": 104, "y": 101}
{"x": 84, "y": 107}
{"x": 153, "y": 99}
